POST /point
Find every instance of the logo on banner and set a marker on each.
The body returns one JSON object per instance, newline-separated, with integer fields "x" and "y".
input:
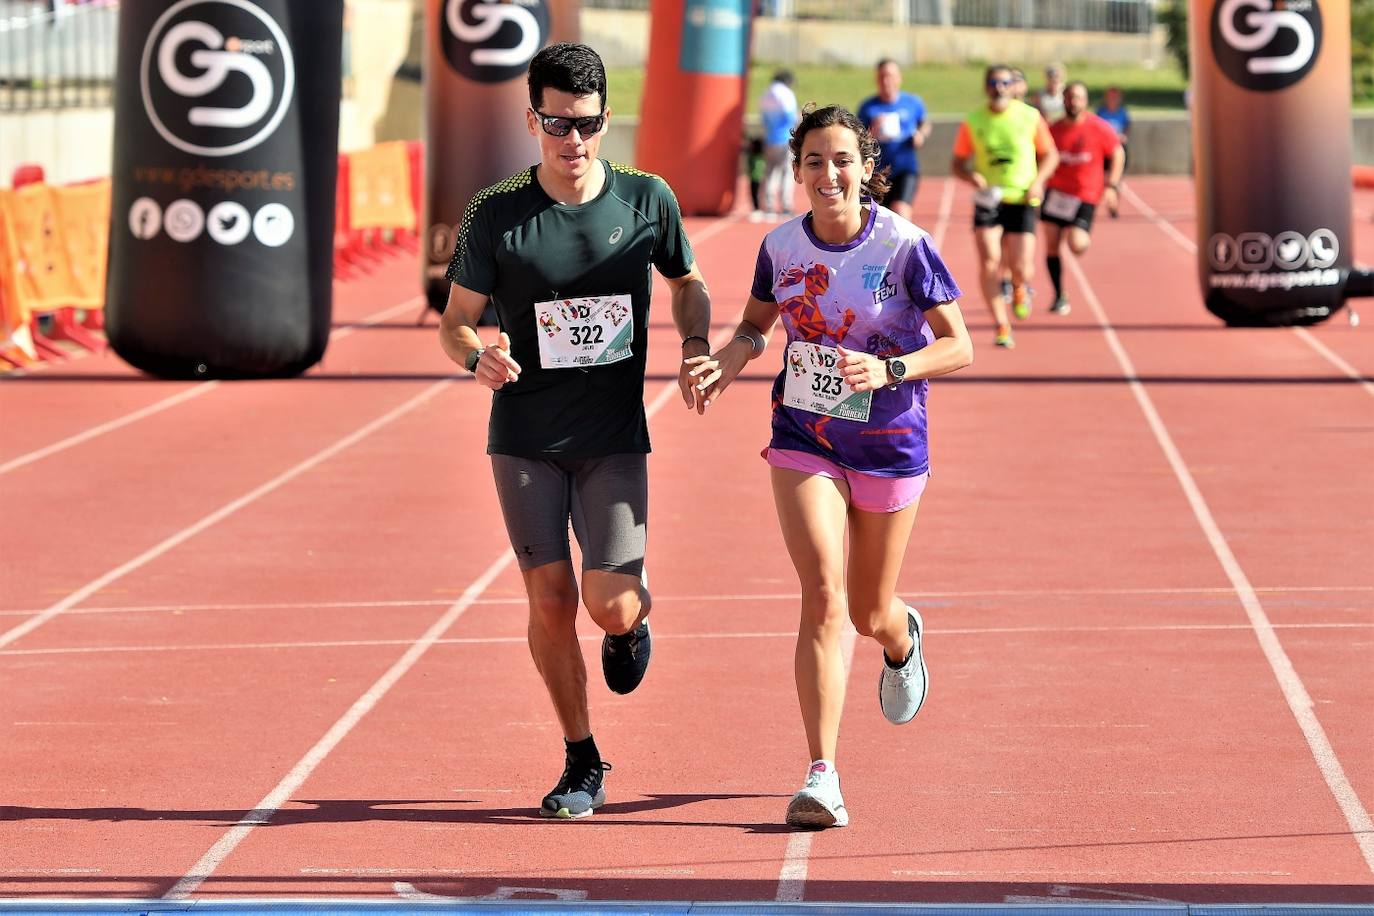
{"x": 1260, "y": 262}
{"x": 217, "y": 76}
{"x": 492, "y": 41}
{"x": 1266, "y": 45}
{"x": 1287, "y": 250}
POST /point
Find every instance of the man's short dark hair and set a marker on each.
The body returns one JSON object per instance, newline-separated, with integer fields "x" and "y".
{"x": 884, "y": 62}
{"x": 987, "y": 74}
{"x": 575, "y": 69}
{"x": 785, "y": 77}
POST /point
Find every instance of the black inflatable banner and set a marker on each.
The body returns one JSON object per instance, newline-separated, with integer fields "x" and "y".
{"x": 1273, "y": 150}
{"x": 222, "y": 212}
{"x": 477, "y": 53}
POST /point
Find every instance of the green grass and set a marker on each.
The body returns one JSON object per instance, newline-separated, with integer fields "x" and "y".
{"x": 947, "y": 89}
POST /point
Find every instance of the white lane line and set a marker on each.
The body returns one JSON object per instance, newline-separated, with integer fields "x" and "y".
{"x": 1287, "y": 676}
{"x": 1169, "y": 228}
{"x": 763, "y": 596}
{"x": 283, "y": 791}
{"x": 219, "y": 514}
{"x": 520, "y": 640}
{"x": 173, "y": 400}
{"x": 109, "y": 426}
{"x": 1303, "y": 334}
{"x": 796, "y": 860}
{"x": 1335, "y": 359}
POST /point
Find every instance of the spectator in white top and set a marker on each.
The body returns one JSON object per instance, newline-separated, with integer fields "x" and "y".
{"x": 1050, "y": 100}
{"x": 778, "y": 111}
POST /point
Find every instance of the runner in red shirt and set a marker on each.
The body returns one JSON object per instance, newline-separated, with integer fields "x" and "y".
{"x": 1085, "y": 142}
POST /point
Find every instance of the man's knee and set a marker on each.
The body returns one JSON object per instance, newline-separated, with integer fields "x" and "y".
{"x": 613, "y": 600}
{"x": 1079, "y": 241}
{"x": 552, "y": 595}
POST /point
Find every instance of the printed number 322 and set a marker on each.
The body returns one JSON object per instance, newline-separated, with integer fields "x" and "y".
{"x": 586, "y": 334}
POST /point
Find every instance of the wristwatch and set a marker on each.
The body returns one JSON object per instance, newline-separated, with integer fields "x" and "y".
{"x": 896, "y": 370}
{"x": 473, "y": 358}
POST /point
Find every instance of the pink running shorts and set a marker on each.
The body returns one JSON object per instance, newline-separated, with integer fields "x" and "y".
{"x": 867, "y": 492}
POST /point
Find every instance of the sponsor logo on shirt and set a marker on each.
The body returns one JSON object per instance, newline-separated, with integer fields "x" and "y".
{"x": 878, "y": 280}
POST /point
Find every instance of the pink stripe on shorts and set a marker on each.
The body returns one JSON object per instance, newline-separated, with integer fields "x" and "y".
{"x": 867, "y": 492}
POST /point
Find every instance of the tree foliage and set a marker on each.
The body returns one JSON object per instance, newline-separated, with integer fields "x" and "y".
{"x": 1173, "y": 15}
{"x": 1362, "y": 48}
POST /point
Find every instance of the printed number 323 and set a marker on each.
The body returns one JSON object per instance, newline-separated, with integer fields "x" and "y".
{"x": 831, "y": 385}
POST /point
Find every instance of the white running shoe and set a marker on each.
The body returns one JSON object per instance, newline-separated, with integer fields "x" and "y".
{"x": 819, "y": 803}
{"x": 901, "y": 691}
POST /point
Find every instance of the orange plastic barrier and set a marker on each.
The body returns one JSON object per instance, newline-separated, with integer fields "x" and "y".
{"x": 37, "y": 277}
{"x": 41, "y": 275}
{"x": 1363, "y": 176}
{"x": 16, "y": 345}
{"x": 379, "y": 188}
{"x": 53, "y": 248}
{"x": 84, "y": 223}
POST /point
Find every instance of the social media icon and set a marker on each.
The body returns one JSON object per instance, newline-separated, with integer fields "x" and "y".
{"x": 228, "y": 222}
{"x": 1256, "y": 251}
{"x": 1325, "y": 247}
{"x": 145, "y": 218}
{"x": 1223, "y": 251}
{"x": 273, "y": 225}
{"x": 183, "y": 220}
{"x": 1290, "y": 250}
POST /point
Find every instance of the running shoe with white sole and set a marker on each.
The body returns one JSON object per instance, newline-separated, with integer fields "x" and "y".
{"x": 579, "y": 791}
{"x": 819, "y": 803}
{"x": 901, "y": 691}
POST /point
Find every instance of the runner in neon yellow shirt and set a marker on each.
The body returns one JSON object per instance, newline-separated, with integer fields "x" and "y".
{"x": 1005, "y": 151}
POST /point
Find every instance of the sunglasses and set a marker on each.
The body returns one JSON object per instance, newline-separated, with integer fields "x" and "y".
{"x": 586, "y": 127}
{"x": 995, "y": 83}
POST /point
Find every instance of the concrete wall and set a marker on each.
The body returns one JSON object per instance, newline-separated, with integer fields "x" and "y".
{"x": 78, "y": 144}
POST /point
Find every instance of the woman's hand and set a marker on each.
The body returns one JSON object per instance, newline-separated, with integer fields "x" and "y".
{"x": 861, "y": 371}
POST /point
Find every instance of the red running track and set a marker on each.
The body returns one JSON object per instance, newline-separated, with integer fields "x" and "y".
{"x": 264, "y": 639}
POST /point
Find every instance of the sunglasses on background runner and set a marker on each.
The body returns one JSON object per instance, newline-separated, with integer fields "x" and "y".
{"x": 586, "y": 127}
{"x": 995, "y": 83}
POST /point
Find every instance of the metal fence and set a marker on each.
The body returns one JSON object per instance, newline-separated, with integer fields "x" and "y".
{"x": 1121, "y": 16}
{"x": 56, "y": 55}
{"x": 61, "y": 53}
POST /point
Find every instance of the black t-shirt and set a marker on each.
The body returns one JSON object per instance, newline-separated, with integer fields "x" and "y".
{"x": 518, "y": 246}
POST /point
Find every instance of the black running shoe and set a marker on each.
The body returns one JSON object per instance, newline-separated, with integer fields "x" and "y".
{"x": 624, "y": 659}
{"x": 579, "y": 791}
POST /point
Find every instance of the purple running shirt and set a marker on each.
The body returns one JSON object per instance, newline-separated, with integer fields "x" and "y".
{"x": 870, "y": 294}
